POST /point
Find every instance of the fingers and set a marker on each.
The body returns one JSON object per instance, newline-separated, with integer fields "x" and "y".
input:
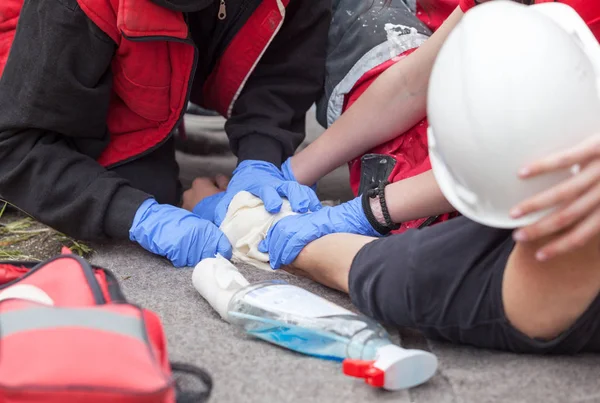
{"x": 178, "y": 262}
{"x": 314, "y": 204}
{"x": 207, "y": 207}
{"x": 207, "y": 242}
{"x": 296, "y": 196}
{"x": 583, "y": 233}
{"x": 222, "y": 181}
{"x": 301, "y": 198}
{"x": 221, "y": 209}
{"x": 189, "y": 201}
{"x": 276, "y": 249}
{"x": 579, "y": 209}
{"x": 295, "y": 246}
{"x": 270, "y": 198}
{"x": 205, "y": 184}
{"x": 224, "y": 247}
{"x": 565, "y": 191}
{"x": 579, "y": 154}
{"x": 275, "y": 241}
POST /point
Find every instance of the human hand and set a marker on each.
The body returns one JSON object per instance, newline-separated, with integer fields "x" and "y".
{"x": 202, "y": 188}
{"x": 180, "y": 236}
{"x": 286, "y": 239}
{"x": 265, "y": 181}
{"x": 576, "y": 200}
{"x": 288, "y": 173}
{"x": 204, "y": 196}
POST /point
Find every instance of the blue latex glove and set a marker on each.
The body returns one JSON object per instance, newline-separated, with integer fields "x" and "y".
{"x": 265, "y": 181}
{"x": 286, "y": 239}
{"x": 288, "y": 173}
{"x": 206, "y": 208}
{"x": 181, "y": 236}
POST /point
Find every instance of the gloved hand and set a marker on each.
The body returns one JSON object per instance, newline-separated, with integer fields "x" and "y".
{"x": 288, "y": 174}
{"x": 181, "y": 236}
{"x": 206, "y": 208}
{"x": 286, "y": 239}
{"x": 266, "y": 182}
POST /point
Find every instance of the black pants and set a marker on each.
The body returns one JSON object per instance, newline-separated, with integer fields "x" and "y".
{"x": 446, "y": 281}
{"x": 156, "y": 173}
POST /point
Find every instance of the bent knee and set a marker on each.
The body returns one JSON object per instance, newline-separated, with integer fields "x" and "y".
{"x": 544, "y": 299}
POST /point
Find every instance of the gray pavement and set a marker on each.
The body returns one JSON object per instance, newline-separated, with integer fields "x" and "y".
{"x": 248, "y": 370}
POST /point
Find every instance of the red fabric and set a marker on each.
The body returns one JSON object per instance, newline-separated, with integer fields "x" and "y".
{"x": 105, "y": 366}
{"x": 589, "y": 10}
{"x": 433, "y": 12}
{"x": 151, "y": 78}
{"x": 9, "y": 15}
{"x": 241, "y": 55}
{"x": 409, "y": 149}
{"x": 466, "y": 5}
{"x": 9, "y": 273}
{"x": 86, "y": 362}
{"x": 101, "y": 279}
{"x": 68, "y": 291}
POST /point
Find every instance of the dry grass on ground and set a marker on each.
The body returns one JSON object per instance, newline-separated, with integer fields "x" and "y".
{"x": 22, "y": 238}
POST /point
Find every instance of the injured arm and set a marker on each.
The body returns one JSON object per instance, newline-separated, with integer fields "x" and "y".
{"x": 317, "y": 262}
{"x": 394, "y": 103}
{"x": 416, "y": 197}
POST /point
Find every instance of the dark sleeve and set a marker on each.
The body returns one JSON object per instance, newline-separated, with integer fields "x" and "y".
{"x": 268, "y": 119}
{"x": 54, "y": 96}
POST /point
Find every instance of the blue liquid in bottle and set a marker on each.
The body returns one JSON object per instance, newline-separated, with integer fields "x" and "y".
{"x": 296, "y": 319}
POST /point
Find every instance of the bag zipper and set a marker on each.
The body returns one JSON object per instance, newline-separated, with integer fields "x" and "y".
{"x": 222, "y": 10}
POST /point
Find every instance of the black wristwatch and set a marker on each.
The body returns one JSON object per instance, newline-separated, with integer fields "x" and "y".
{"x": 371, "y": 193}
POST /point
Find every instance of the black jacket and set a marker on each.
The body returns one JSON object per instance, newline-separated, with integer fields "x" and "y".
{"x": 54, "y": 97}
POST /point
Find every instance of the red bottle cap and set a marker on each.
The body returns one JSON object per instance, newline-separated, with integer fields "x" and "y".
{"x": 366, "y": 370}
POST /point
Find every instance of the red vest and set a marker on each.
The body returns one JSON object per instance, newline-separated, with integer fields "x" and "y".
{"x": 154, "y": 64}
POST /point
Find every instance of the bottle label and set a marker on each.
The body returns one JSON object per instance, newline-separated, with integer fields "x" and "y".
{"x": 293, "y": 300}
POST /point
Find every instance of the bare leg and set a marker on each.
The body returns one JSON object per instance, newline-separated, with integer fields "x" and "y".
{"x": 540, "y": 299}
{"x": 327, "y": 260}
{"x": 544, "y": 299}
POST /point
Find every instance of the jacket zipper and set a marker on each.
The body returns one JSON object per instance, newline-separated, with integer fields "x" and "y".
{"x": 231, "y": 29}
{"x": 222, "y": 10}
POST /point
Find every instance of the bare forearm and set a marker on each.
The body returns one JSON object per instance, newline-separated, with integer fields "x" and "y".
{"x": 394, "y": 103}
{"x": 416, "y": 197}
{"x": 318, "y": 262}
{"x": 328, "y": 259}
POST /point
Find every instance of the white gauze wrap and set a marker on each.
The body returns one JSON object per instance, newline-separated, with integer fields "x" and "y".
{"x": 246, "y": 224}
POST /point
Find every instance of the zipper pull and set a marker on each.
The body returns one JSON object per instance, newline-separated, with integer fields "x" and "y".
{"x": 222, "y": 10}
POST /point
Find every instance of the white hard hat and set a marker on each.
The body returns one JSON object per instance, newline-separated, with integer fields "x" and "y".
{"x": 511, "y": 84}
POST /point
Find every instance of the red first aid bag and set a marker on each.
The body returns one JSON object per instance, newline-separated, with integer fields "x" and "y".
{"x": 67, "y": 334}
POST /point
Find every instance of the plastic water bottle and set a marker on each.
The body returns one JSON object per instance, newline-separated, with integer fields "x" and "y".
{"x": 299, "y": 320}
